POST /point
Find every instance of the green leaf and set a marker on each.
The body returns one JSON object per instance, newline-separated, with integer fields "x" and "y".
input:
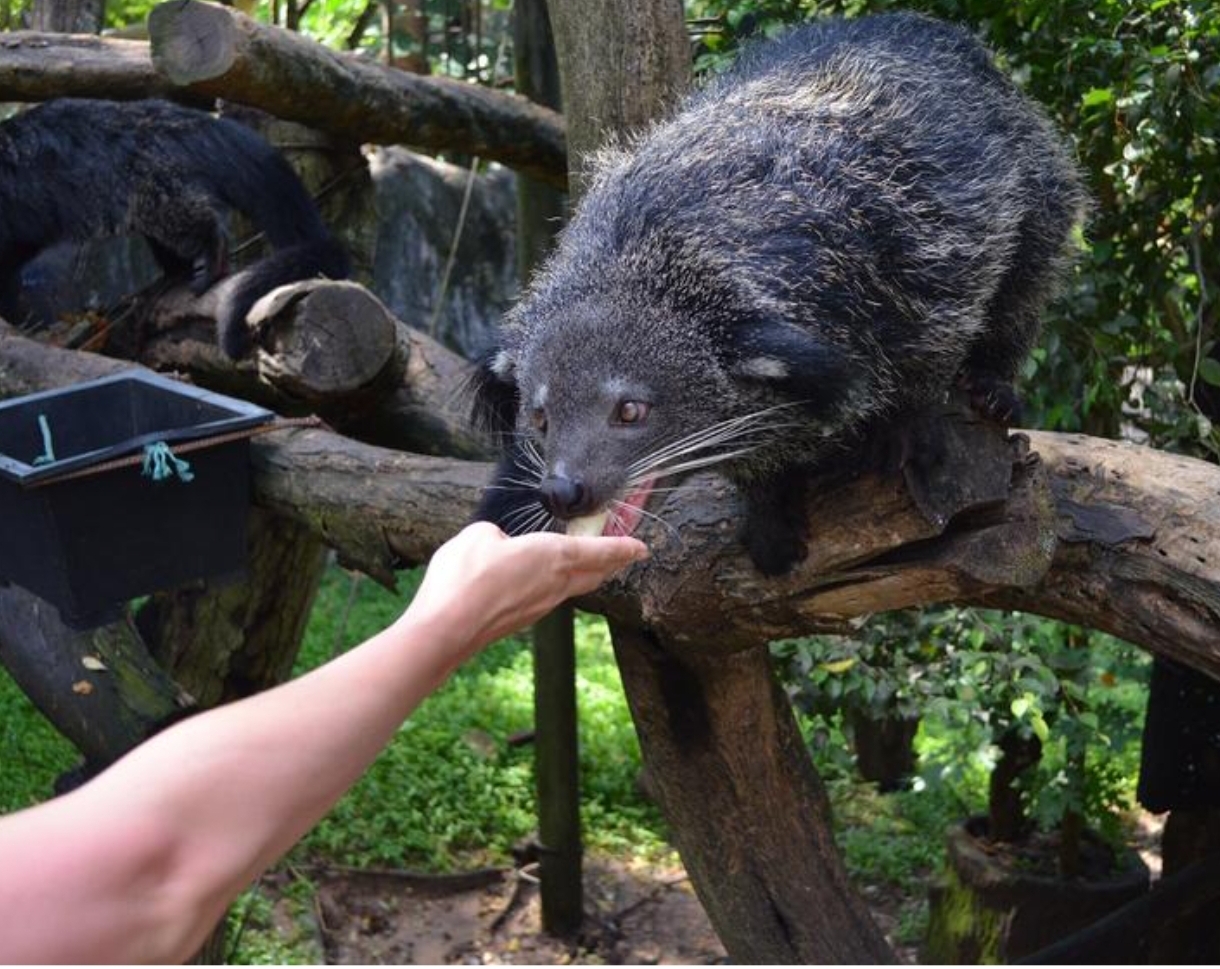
{"x": 1209, "y": 371}
{"x": 1039, "y": 727}
{"x": 1096, "y": 96}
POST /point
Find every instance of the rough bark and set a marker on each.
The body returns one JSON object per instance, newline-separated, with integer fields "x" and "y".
{"x": 621, "y": 66}
{"x": 220, "y": 52}
{"x": 724, "y": 753}
{"x": 37, "y": 66}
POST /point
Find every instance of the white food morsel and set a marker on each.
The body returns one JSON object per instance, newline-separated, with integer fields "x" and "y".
{"x": 588, "y": 524}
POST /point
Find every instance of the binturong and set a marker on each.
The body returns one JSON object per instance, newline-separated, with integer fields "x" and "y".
{"x": 856, "y": 219}
{"x": 75, "y": 168}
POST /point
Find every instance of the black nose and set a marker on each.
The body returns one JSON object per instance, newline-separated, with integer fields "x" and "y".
{"x": 566, "y": 497}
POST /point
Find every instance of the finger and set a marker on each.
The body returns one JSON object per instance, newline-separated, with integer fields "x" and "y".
{"x": 585, "y": 578}
{"x": 595, "y": 553}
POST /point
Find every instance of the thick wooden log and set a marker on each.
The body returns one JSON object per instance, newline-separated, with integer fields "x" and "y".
{"x": 293, "y": 78}
{"x": 37, "y": 66}
{"x": 220, "y": 52}
{"x": 101, "y": 689}
{"x": 379, "y": 509}
{"x": 327, "y": 343}
{"x": 1111, "y": 535}
{"x": 415, "y": 396}
{"x": 623, "y": 65}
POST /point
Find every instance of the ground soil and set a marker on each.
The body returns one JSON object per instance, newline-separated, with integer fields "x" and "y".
{"x": 635, "y": 914}
{"x": 640, "y": 915}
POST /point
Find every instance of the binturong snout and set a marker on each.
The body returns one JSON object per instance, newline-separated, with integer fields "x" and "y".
{"x": 566, "y": 497}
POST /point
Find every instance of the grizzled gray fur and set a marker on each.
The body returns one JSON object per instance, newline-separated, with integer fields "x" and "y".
{"x": 855, "y": 219}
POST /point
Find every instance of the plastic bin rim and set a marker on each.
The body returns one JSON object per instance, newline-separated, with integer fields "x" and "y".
{"x": 243, "y": 415}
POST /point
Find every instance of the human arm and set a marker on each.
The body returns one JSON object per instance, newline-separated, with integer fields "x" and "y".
{"x": 140, "y": 863}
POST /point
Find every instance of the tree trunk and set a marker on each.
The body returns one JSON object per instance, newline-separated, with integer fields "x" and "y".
{"x": 621, "y": 66}
{"x": 749, "y": 814}
{"x": 557, "y": 763}
{"x": 67, "y": 16}
{"x": 540, "y": 210}
{"x": 1005, "y": 808}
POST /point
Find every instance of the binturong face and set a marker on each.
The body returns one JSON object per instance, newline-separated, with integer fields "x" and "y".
{"x": 613, "y": 407}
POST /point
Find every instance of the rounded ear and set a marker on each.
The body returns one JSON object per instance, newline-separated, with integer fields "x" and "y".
{"x": 495, "y": 398}
{"x": 792, "y": 361}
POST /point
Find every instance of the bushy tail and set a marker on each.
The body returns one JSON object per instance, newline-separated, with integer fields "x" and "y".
{"x": 307, "y": 260}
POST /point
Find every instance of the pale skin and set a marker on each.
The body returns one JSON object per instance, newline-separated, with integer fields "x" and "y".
{"x": 139, "y": 864}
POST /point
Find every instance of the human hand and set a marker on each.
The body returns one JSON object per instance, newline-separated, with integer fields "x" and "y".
{"x": 481, "y": 584}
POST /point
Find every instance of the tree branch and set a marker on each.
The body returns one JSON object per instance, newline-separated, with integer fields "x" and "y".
{"x": 223, "y": 53}
{"x": 202, "y": 51}
{"x": 1107, "y": 534}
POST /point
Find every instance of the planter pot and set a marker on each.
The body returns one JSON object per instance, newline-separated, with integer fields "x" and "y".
{"x": 992, "y": 907}
{"x": 87, "y": 535}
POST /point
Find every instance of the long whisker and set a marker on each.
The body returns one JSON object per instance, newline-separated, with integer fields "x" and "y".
{"x": 540, "y": 521}
{"x": 515, "y": 484}
{"x": 704, "y": 462}
{"x": 616, "y": 504}
{"x": 733, "y": 430}
{"x": 525, "y": 513}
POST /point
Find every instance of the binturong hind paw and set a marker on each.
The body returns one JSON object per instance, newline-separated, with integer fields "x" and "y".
{"x": 991, "y": 396}
{"x": 775, "y": 531}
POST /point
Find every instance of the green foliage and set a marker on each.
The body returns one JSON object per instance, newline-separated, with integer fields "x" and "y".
{"x": 975, "y": 676}
{"x": 256, "y": 938}
{"x": 34, "y": 753}
{"x": 448, "y": 792}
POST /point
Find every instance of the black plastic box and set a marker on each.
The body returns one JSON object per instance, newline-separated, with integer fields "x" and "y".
{"x": 89, "y": 542}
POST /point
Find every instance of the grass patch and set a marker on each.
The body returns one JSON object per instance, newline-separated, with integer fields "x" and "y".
{"x": 448, "y": 793}
{"x": 34, "y": 752}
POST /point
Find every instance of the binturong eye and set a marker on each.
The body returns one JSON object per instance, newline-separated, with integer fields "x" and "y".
{"x": 538, "y": 419}
{"x": 632, "y": 412}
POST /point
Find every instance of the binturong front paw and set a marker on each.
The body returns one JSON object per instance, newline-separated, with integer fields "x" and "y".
{"x": 992, "y": 397}
{"x": 775, "y": 530}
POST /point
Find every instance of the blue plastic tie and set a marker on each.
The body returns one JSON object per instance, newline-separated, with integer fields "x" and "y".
{"x": 48, "y": 450}
{"x": 160, "y": 463}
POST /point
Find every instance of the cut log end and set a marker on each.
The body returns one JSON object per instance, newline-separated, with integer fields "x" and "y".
{"x": 324, "y": 340}
{"x": 192, "y": 42}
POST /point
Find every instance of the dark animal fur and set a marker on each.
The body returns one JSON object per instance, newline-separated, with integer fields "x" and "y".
{"x": 856, "y": 218}
{"x": 72, "y": 169}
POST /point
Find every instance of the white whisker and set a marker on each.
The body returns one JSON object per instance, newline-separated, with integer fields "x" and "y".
{"x": 616, "y": 504}
{"x": 525, "y": 513}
